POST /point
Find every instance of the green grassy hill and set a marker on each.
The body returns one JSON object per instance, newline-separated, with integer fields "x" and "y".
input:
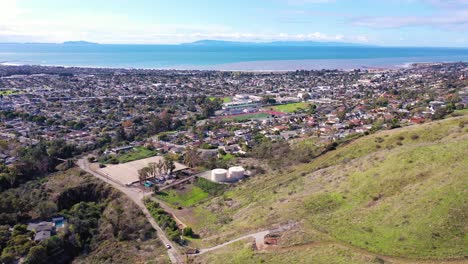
{"x": 400, "y": 193}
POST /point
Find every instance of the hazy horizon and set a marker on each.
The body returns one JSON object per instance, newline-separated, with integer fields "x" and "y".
{"x": 330, "y": 43}
{"x": 402, "y": 23}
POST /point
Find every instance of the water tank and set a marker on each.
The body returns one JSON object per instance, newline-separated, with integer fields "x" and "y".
{"x": 219, "y": 175}
{"x": 236, "y": 173}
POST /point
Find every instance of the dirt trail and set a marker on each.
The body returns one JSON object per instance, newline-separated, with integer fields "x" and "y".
{"x": 259, "y": 239}
{"x": 258, "y": 236}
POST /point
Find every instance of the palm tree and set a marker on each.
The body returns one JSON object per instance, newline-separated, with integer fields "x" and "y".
{"x": 143, "y": 174}
{"x": 153, "y": 169}
{"x": 192, "y": 156}
{"x": 160, "y": 167}
{"x": 169, "y": 165}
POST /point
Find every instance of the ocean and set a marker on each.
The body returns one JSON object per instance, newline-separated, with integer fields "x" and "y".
{"x": 252, "y": 58}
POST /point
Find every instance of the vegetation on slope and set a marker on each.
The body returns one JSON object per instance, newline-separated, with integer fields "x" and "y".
{"x": 97, "y": 216}
{"x": 242, "y": 253}
{"x": 400, "y": 193}
{"x": 164, "y": 219}
{"x": 191, "y": 194}
{"x": 185, "y": 198}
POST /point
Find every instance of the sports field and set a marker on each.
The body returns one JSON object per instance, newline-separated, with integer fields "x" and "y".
{"x": 290, "y": 108}
{"x": 245, "y": 117}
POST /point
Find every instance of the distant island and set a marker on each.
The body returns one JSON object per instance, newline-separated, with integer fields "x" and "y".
{"x": 80, "y": 42}
{"x": 275, "y": 43}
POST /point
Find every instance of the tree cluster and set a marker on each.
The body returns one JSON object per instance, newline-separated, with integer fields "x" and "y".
{"x": 35, "y": 161}
{"x": 156, "y": 169}
{"x": 165, "y": 221}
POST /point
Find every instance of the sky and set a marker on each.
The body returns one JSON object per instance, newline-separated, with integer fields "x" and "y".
{"x": 380, "y": 22}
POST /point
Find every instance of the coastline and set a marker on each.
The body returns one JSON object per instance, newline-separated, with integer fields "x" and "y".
{"x": 225, "y": 58}
{"x": 329, "y": 64}
{"x": 276, "y": 65}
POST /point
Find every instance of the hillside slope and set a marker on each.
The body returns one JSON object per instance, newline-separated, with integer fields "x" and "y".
{"x": 400, "y": 193}
{"x": 103, "y": 225}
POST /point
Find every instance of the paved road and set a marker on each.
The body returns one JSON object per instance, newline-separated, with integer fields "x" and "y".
{"x": 136, "y": 196}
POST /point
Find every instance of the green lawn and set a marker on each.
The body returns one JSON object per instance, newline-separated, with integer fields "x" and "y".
{"x": 290, "y": 108}
{"x": 183, "y": 198}
{"x": 461, "y": 112}
{"x": 228, "y": 157}
{"x": 8, "y": 92}
{"x": 136, "y": 154}
{"x": 246, "y": 117}
{"x": 226, "y": 99}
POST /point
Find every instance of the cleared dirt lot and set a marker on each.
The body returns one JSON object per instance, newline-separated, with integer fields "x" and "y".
{"x": 127, "y": 173}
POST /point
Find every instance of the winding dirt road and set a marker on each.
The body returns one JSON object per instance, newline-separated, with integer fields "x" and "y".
{"x": 259, "y": 237}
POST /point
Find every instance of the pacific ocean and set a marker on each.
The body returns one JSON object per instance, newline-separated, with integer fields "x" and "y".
{"x": 255, "y": 57}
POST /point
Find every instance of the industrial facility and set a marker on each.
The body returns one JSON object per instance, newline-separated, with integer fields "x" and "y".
{"x": 232, "y": 175}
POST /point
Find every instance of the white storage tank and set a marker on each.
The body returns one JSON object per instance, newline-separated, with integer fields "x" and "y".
{"x": 236, "y": 173}
{"x": 219, "y": 175}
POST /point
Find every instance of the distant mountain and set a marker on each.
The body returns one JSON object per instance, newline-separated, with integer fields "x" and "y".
{"x": 274, "y": 43}
{"x": 315, "y": 44}
{"x": 80, "y": 42}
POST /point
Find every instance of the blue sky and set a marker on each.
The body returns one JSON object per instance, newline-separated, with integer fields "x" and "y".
{"x": 389, "y": 22}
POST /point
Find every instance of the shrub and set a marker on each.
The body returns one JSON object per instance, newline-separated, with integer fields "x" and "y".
{"x": 210, "y": 187}
{"x": 379, "y": 140}
{"x": 113, "y": 160}
{"x": 164, "y": 220}
{"x": 331, "y": 146}
{"x": 324, "y": 202}
{"x": 7, "y": 258}
{"x": 188, "y": 232}
{"x": 36, "y": 254}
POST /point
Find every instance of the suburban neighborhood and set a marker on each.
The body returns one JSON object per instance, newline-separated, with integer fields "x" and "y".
{"x": 171, "y": 139}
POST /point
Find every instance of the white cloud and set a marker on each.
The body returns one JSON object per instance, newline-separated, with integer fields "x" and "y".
{"x": 114, "y": 28}
{"x": 21, "y": 25}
